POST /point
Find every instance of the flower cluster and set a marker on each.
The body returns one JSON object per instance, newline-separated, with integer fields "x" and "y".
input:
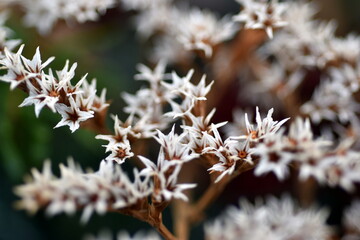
{"x": 173, "y": 153}
{"x": 307, "y": 49}
{"x": 75, "y": 103}
{"x": 118, "y": 145}
{"x": 197, "y": 30}
{"x": 175, "y": 110}
{"x": 275, "y": 220}
{"x": 257, "y": 14}
{"x": 108, "y": 189}
{"x": 44, "y": 14}
{"x": 236, "y": 152}
{"x": 314, "y": 158}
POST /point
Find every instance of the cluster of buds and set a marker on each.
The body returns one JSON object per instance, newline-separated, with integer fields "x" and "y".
{"x": 109, "y": 189}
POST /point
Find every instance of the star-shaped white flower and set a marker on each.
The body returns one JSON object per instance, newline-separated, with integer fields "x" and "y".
{"x": 72, "y": 115}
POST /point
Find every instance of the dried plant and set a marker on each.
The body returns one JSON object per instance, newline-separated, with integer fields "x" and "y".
{"x": 274, "y": 49}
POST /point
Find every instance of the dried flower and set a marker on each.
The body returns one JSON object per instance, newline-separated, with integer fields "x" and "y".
{"x": 277, "y": 219}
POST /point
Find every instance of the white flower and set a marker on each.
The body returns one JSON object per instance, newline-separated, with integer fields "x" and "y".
{"x": 277, "y": 219}
{"x": 65, "y": 76}
{"x": 139, "y": 103}
{"x": 120, "y": 151}
{"x": 265, "y": 127}
{"x": 91, "y": 100}
{"x": 342, "y": 169}
{"x": 200, "y": 125}
{"x": 121, "y": 132}
{"x": 16, "y": 74}
{"x": 300, "y": 131}
{"x": 192, "y": 95}
{"x": 261, "y": 15}
{"x": 272, "y": 157}
{"x": 175, "y": 148}
{"x": 72, "y": 115}
{"x": 43, "y": 14}
{"x": 156, "y": 18}
{"x": 231, "y": 155}
{"x": 154, "y": 77}
{"x": 200, "y": 29}
{"x": 331, "y": 103}
{"x": 109, "y": 188}
{"x": 48, "y": 94}
{"x": 36, "y": 65}
{"x": 300, "y": 146}
{"x": 74, "y": 103}
{"x": 165, "y": 175}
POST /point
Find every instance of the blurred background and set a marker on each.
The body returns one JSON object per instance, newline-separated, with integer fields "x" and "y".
{"x": 108, "y": 50}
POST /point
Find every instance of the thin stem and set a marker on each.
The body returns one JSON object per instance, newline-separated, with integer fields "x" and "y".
{"x": 181, "y": 224}
{"x": 162, "y": 229}
{"x": 187, "y": 215}
{"x": 239, "y": 51}
{"x": 147, "y": 215}
{"x": 211, "y": 194}
{"x": 181, "y": 208}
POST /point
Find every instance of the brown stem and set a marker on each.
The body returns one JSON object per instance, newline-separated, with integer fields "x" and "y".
{"x": 97, "y": 124}
{"x": 162, "y": 229}
{"x": 181, "y": 224}
{"x": 212, "y": 193}
{"x": 140, "y": 147}
{"x": 237, "y": 53}
{"x": 305, "y": 190}
{"x": 187, "y": 215}
{"x": 154, "y": 218}
{"x": 180, "y": 208}
{"x": 292, "y": 105}
{"x": 147, "y": 214}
